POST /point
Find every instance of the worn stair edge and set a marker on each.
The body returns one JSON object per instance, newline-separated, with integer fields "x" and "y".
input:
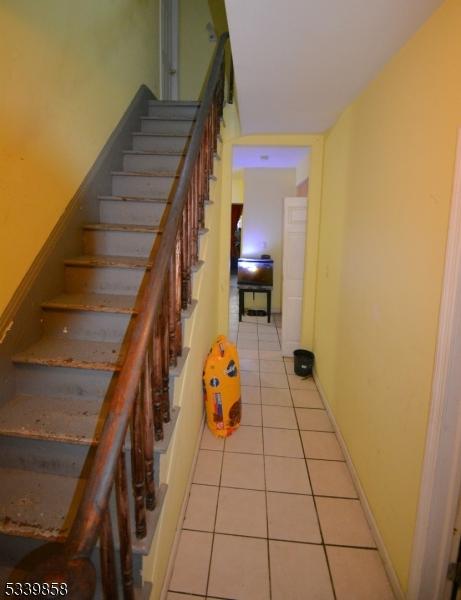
{"x": 174, "y": 102}
{"x": 172, "y": 174}
{"x": 155, "y": 152}
{"x": 168, "y": 135}
{"x": 109, "y": 303}
{"x": 72, "y": 353}
{"x": 151, "y": 199}
{"x": 122, "y": 227}
{"x": 168, "y": 118}
{"x": 105, "y": 260}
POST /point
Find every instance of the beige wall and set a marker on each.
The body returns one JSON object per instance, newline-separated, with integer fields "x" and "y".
{"x": 388, "y": 173}
{"x": 69, "y": 71}
{"x": 262, "y": 221}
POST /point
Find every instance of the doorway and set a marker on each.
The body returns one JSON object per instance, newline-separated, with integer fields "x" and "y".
{"x": 169, "y": 50}
{"x": 235, "y": 236}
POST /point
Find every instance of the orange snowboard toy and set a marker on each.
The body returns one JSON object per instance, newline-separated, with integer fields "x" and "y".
{"x": 221, "y": 381}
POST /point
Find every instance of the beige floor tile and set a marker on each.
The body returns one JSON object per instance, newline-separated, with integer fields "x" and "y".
{"x": 282, "y": 442}
{"x": 289, "y": 360}
{"x": 208, "y": 467}
{"x": 268, "y": 336}
{"x": 243, "y": 471}
{"x": 250, "y": 378}
{"x": 271, "y": 366}
{"x": 263, "y": 324}
{"x": 299, "y": 383}
{"x": 282, "y": 417}
{"x": 247, "y": 345}
{"x": 241, "y": 512}
{"x": 331, "y": 478}
{"x": 271, "y": 355}
{"x": 343, "y": 522}
{"x": 245, "y": 439}
{"x": 292, "y": 517}
{"x": 276, "y": 396}
{"x": 201, "y": 507}
{"x": 250, "y": 394}
{"x": 190, "y": 571}
{"x": 307, "y": 399}
{"x": 175, "y": 596}
{"x": 239, "y": 568}
{"x": 321, "y": 444}
{"x": 249, "y": 364}
{"x": 251, "y": 415}
{"x": 248, "y": 327}
{"x": 313, "y": 419}
{"x": 210, "y": 441}
{"x": 358, "y": 574}
{"x": 246, "y": 337}
{"x": 299, "y": 572}
{"x": 286, "y": 475}
{"x": 275, "y": 380}
{"x": 264, "y": 345}
{"x": 247, "y": 353}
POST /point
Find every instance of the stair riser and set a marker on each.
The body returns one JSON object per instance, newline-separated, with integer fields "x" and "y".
{"x": 170, "y": 127}
{"x": 107, "y": 280}
{"x": 151, "y": 162}
{"x": 158, "y": 143}
{"x": 86, "y": 325}
{"x": 118, "y": 243}
{"x": 131, "y": 212}
{"x": 159, "y": 110}
{"x": 139, "y": 185}
{"x": 62, "y": 381}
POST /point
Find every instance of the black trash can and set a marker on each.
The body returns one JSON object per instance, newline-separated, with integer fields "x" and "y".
{"x": 303, "y": 362}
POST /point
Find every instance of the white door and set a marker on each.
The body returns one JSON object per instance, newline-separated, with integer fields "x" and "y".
{"x": 294, "y": 243}
{"x": 169, "y": 49}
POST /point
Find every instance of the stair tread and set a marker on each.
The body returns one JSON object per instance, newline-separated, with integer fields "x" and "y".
{"x": 75, "y": 420}
{"x": 105, "y": 260}
{"x": 168, "y": 118}
{"x": 146, "y": 173}
{"x": 36, "y": 504}
{"x": 155, "y": 152}
{"x": 135, "y": 199}
{"x": 174, "y": 102}
{"x": 123, "y": 227}
{"x": 95, "y": 302}
{"x": 173, "y": 135}
{"x": 73, "y": 353}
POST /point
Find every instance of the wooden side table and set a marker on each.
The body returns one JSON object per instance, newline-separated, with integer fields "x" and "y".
{"x": 260, "y": 289}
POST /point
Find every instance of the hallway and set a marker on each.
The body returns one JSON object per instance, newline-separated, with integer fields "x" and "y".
{"x": 272, "y": 511}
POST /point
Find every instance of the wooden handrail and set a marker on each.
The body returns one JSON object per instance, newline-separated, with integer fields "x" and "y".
{"x": 139, "y": 394}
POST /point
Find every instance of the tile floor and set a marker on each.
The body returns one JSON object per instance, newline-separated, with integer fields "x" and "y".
{"x": 272, "y": 512}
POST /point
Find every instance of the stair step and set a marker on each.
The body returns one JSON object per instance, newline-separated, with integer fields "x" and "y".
{"x": 173, "y": 109}
{"x": 111, "y": 303}
{"x": 167, "y": 124}
{"x": 159, "y": 142}
{"x": 76, "y": 354}
{"x": 142, "y": 184}
{"x": 147, "y": 199}
{"x": 36, "y": 504}
{"x": 102, "y": 261}
{"x": 174, "y": 103}
{"x": 138, "y": 160}
{"x": 132, "y": 228}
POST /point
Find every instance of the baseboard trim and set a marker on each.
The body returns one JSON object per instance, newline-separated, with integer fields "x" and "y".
{"x": 391, "y": 574}
{"x": 182, "y": 514}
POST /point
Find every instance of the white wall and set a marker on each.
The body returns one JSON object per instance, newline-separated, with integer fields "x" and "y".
{"x": 262, "y": 221}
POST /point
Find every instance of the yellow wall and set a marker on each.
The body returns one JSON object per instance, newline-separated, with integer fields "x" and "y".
{"x": 69, "y": 70}
{"x": 200, "y": 332}
{"x": 238, "y": 187}
{"x": 386, "y": 193}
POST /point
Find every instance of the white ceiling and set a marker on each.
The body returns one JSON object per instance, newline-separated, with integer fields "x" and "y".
{"x": 299, "y": 63}
{"x": 278, "y": 157}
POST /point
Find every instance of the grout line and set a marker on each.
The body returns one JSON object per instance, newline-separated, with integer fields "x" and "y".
{"x": 315, "y": 505}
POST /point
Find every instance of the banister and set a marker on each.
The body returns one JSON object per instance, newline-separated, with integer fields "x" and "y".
{"x": 92, "y": 510}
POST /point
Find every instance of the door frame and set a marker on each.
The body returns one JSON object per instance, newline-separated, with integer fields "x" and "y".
{"x": 173, "y": 7}
{"x": 441, "y": 473}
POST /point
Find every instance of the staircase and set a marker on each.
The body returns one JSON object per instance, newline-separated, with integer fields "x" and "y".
{"x": 51, "y": 427}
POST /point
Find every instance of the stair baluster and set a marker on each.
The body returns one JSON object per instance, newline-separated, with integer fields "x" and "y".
{"x": 137, "y": 466}
{"x": 148, "y": 432}
{"x": 107, "y": 552}
{"x": 124, "y": 529}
